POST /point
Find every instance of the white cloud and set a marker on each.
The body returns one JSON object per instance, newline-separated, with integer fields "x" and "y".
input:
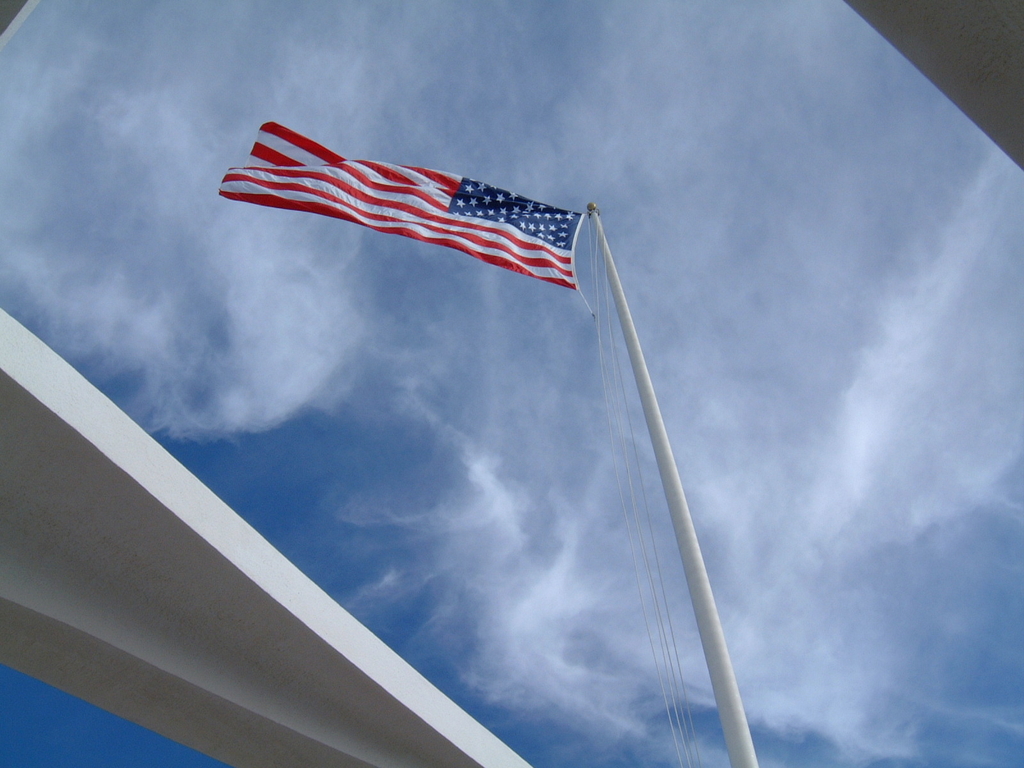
{"x": 536, "y": 606}
{"x": 926, "y": 429}
{"x": 934, "y": 409}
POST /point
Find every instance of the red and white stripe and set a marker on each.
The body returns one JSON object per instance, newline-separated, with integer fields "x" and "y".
{"x": 287, "y": 170}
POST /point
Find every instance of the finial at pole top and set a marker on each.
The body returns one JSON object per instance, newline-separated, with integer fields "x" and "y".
{"x": 591, "y": 207}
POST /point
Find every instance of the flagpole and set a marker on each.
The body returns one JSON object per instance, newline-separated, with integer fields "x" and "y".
{"x": 723, "y": 680}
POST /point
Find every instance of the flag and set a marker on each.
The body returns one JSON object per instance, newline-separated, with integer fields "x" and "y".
{"x": 287, "y": 170}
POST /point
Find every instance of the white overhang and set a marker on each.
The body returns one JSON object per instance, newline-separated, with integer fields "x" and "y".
{"x": 126, "y": 582}
{"x": 972, "y": 50}
{"x": 12, "y": 15}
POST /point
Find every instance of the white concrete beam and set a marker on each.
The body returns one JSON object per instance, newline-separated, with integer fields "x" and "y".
{"x": 12, "y": 15}
{"x": 126, "y": 582}
{"x": 972, "y": 50}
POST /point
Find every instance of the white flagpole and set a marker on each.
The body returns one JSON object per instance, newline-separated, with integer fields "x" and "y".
{"x": 723, "y": 679}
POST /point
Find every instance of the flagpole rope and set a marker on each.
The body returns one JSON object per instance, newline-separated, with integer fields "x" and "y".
{"x": 670, "y": 646}
{"x": 617, "y": 436}
{"x": 673, "y": 671}
{"x": 653, "y": 600}
{"x": 669, "y": 637}
{"x": 579, "y": 290}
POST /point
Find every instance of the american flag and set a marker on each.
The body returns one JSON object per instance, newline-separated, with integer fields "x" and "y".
{"x": 287, "y": 170}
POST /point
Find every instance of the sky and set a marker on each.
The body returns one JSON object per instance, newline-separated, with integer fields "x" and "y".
{"x": 825, "y": 263}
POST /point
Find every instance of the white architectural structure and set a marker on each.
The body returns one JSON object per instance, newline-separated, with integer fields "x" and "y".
{"x": 12, "y": 15}
{"x": 128, "y": 583}
{"x": 972, "y": 50}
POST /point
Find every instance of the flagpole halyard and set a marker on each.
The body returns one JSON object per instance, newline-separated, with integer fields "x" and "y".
{"x": 723, "y": 679}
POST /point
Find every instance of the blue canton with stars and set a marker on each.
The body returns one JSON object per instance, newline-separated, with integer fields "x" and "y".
{"x": 482, "y": 201}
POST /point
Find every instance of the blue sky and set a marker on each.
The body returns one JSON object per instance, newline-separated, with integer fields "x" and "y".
{"x": 824, "y": 258}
